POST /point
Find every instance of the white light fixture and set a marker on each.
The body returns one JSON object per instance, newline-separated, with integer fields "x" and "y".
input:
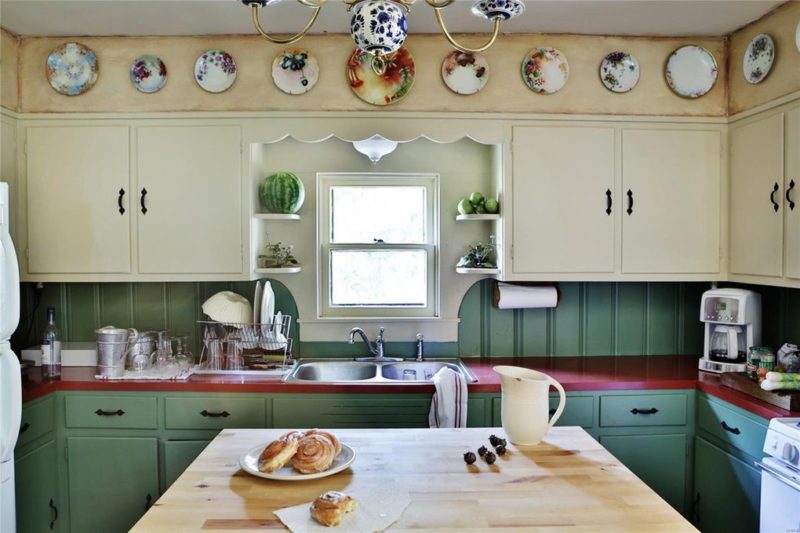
{"x": 375, "y": 147}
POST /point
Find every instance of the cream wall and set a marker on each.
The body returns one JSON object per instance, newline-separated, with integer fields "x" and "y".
{"x": 8, "y": 70}
{"x": 255, "y": 91}
{"x": 784, "y": 78}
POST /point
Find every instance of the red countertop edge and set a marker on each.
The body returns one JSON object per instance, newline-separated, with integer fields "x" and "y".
{"x": 584, "y": 373}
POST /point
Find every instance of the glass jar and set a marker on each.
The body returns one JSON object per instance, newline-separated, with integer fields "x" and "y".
{"x": 754, "y": 354}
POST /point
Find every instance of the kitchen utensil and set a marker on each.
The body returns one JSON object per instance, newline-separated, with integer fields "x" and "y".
{"x": 249, "y": 463}
{"x": 113, "y": 345}
{"x": 227, "y": 306}
{"x": 525, "y": 407}
{"x": 732, "y": 320}
{"x": 257, "y": 296}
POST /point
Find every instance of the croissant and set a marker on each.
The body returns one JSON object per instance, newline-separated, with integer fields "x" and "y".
{"x": 331, "y": 437}
{"x": 279, "y": 452}
{"x": 315, "y": 453}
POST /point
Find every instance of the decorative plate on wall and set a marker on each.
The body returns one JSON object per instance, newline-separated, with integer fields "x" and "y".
{"x": 691, "y": 71}
{"x": 148, "y": 73}
{"x": 465, "y": 73}
{"x": 619, "y": 72}
{"x": 215, "y": 71}
{"x": 797, "y": 36}
{"x": 758, "y": 58}
{"x": 72, "y": 69}
{"x": 295, "y": 71}
{"x": 387, "y": 89}
{"x": 545, "y": 70}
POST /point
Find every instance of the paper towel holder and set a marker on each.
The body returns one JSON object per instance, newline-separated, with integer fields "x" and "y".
{"x": 496, "y": 289}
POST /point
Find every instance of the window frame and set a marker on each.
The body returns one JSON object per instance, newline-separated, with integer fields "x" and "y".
{"x": 328, "y": 180}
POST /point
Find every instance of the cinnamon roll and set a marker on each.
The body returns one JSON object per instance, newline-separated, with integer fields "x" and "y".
{"x": 329, "y": 508}
{"x": 279, "y": 452}
{"x": 315, "y": 453}
{"x": 331, "y": 437}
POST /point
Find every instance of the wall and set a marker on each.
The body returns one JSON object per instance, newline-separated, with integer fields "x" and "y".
{"x": 784, "y": 78}
{"x": 255, "y": 91}
{"x": 8, "y": 70}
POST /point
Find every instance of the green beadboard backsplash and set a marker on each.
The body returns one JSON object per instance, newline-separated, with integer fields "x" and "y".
{"x": 592, "y": 318}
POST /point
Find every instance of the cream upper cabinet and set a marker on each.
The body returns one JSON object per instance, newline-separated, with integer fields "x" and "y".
{"x": 671, "y": 193}
{"x": 78, "y": 200}
{"x": 756, "y": 193}
{"x": 791, "y": 204}
{"x": 563, "y": 199}
{"x": 189, "y": 199}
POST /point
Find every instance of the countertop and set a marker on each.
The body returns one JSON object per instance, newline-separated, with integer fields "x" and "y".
{"x": 568, "y": 480}
{"x": 587, "y": 373}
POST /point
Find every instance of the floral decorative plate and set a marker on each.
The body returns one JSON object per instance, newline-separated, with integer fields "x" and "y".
{"x": 148, "y": 73}
{"x": 295, "y": 71}
{"x": 215, "y": 71}
{"x": 691, "y": 71}
{"x": 758, "y": 58}
{"x": 72, "y": 69}
{"x": 619, "y": 72}
{"x": 545, "y": 70}
{"x": 465, "y": 73}
{"x": 387, "y": 89}
{"x": 494, "y": 9}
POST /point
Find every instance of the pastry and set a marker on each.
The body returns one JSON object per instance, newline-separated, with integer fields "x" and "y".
{"x": 315, "y": 453}
{"x": 329, "y": 508}
{"x": 279, "y": 452}
{"x": 331, "y": 437}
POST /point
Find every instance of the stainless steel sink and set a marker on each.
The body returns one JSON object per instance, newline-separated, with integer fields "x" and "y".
{"x": 343, "y": 371}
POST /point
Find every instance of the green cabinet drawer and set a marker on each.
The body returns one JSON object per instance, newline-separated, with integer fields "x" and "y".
{"x": 178, "y": 455}
{"x": 643, "y": 410}
{"x": 214, "y": 412}
{"x": 37, "y": 420}
{"x": 731, "y": 427}
{"x": 111, "y": 412}
{"x": 351, "y": 411}
{"x": 578, "y": 411}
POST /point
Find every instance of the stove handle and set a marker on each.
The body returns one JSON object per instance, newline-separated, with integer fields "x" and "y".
{"x": 726, "y": 427}
{"x": 778, "y": 475}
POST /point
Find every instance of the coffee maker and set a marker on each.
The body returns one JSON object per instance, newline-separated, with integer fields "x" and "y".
{"x": 733, "y": 324}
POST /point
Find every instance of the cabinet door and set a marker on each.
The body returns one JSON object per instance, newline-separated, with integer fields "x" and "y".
{"x": 78, "y": 192}
{"x": 756, "y": 234}
{"x": 189, "y": 181}
{"x": 37, "y": 495}
{"x": 671, "y": 186}
{"x": 727, "y": 491}
{"x": 792, "y": 201}
{"x": 563, "y": 180}
{"x": 658, "y": 460}
{"x": 112, "y": 481}
{"x": 178, "y": 455}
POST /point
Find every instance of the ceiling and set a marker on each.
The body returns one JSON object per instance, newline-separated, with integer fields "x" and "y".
{"x": 205, "y": 17}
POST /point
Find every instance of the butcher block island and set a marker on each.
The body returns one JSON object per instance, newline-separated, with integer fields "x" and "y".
{"x": 567, "y": 482}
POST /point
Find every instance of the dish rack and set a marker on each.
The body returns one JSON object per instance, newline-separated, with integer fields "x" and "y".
{"x": 264, "y": 346}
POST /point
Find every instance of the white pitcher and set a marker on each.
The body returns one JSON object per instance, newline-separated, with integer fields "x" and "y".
{"x": 526, "y": 404}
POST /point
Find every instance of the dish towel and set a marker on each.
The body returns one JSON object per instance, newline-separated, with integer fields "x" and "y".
{"x": 449, "y": 404}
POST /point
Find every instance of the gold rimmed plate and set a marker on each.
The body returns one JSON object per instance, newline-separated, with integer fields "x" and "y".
{"x": 249, "y": 463}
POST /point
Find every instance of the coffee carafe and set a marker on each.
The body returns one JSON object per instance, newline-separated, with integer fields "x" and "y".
{"x": 728, "y": 345}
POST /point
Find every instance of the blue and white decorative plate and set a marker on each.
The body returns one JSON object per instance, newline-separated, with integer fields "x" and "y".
{"x": 619, "y": 72}
{"x": 295, "y": 71}
{"x": 215, "y": 71}
{"x": 72, "y": 69}
{"x": 148, "y": 73}
{"x": 758, "y": 58}
{"x": 494, "y": 9}
{"x": 378, "y": 26}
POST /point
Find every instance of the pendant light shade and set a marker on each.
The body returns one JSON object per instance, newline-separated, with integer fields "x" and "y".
{"x": 375, "y": 147}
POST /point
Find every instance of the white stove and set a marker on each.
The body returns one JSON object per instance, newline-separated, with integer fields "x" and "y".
{"x": 780, "y": 477}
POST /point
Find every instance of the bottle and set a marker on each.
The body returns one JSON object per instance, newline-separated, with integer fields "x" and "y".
{"x": 51, "y": 348}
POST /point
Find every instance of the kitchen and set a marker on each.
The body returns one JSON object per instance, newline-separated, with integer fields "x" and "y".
{"x": 552, "y": 213}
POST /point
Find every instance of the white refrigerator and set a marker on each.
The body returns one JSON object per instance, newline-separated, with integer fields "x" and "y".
{"x": 10, "y": 379}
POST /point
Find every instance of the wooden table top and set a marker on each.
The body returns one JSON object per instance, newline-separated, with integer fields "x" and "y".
{"x": 567, "y": 482}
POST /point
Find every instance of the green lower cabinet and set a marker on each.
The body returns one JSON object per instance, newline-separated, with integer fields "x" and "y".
{"x": 658, "y": 460}
{"x": 37, "y": 490}
{"x": 727, "y": 491}
{"x": 178, "y": 455}
{"x": 112, "y": 481}
{"x": 578, "y": 411}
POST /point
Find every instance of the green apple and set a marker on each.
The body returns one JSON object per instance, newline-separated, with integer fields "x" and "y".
{"x": 476, "y": 198}
{"x": 491, "y": 205}
{"x": 464, "y": 207}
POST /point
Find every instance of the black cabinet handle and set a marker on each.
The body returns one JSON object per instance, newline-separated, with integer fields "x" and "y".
{"x": 552, "y": 411}
{"x": 630, "y": 202}
{"x": 696, "y": 508}
{"x": 141, "y": 201}
{"x": 54, "y": 514}
{"x": 729, "y": 429}
{"x": 788, "y": 197}
{"x": 609, "y": 202}
{"x": 118, "y": 412}
{"x": 119, "y": 201}
{"x": 148, "y": 501}
{"x": 223, "y": 414}
{"x": 24, "y": 427}
{"x": 772, "y": 197}
{"x": 638, "y": 411}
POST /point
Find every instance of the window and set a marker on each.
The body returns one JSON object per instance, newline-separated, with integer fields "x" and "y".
{"x": 378, "y": 242}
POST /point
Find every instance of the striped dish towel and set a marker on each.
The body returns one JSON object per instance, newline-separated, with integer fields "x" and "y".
{"x": 449, "y": 404}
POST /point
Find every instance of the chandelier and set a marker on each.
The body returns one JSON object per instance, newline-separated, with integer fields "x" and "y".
{"x": 379, "y": 27}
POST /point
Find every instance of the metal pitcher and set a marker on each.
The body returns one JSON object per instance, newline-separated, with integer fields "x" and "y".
{"x": 142, "y": 352}
{"x": 113, "y": 345}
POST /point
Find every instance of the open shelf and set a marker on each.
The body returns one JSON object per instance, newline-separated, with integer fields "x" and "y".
{"x": 284, "y": 270}
{"x": 483, "y": 271}
{"x": 275, "y": 216}
{"x": 478, "y": 217}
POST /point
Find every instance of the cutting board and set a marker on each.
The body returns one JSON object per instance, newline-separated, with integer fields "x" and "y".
{"x": 739, "y": 381}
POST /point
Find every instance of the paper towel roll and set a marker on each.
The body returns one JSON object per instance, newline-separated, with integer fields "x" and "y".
{"x": 510, "y": 296}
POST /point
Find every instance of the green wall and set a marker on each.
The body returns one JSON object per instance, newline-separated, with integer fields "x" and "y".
{"x": 591, "y": 319}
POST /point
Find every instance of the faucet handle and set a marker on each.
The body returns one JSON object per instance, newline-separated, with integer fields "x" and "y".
{"x": 380, "y": 332}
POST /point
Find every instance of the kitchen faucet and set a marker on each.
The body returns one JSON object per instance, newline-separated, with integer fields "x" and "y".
{"x": 375, "y": 348}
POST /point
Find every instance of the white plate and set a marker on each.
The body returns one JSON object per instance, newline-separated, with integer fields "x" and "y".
{"x": 249, "y": 463}
{"x": 691, "y": 71}
{"x": 257, "y": 303}
{"x": 295, "y": 71}
{"x": 545, "y": 70}
{"x": 758, "y": 58}
{"x": 215, "y": 71}
{"x": 465, "y": 73}
{"x": 619, "y": 72}
{"x": 267, "y": 304}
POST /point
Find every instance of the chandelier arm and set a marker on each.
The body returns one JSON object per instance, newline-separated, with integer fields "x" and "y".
{"x": 289, "y": 40}
{"x": 312, "y": 3}
{"x": 439, "y": 4}
{"x": 464, "y": 49}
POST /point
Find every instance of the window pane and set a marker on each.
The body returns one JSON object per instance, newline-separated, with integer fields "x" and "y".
{"x": 379, "y": 278}
{"x": 363, "y": 214}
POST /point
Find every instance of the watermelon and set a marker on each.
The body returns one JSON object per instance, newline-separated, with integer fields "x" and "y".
{"x": 282, "y": 192}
